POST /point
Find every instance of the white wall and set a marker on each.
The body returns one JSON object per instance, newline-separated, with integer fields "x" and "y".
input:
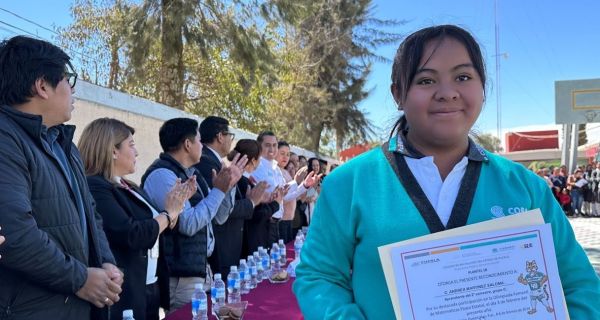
{"x": 146, "y": 117}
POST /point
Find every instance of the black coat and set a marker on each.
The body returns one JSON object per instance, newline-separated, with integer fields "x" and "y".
{"x": 131, "y": 231}
{"x": 44, "y": 258}
{"x": 228, "y": 236}
{"x": 256, "y": 229}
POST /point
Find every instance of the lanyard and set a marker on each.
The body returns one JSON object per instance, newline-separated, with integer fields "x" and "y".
{"x": 464, "y": 199}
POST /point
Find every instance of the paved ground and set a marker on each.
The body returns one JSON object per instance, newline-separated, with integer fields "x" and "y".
{"x": 587, "y": 231}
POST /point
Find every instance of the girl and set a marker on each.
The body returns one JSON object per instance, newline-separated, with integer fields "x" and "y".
{"x": 408, "y": 188}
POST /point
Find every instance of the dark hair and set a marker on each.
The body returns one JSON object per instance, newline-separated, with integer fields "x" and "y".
{"x": 301, "y": 157}
{"x": 263, "y": 134}
{"x": 175, "y": 131}
{"x": 211, "y": 127}
{"x": 309, "y": 165}
{"x": 282, "y": 143}
{"x": 24, "y": 60}
{"x": 247, "y": 147}
{"x": 411, "y": 50}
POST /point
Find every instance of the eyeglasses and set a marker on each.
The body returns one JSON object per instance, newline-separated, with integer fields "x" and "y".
{"x": 232, "y": 135}
{"x": 71, "y": 78}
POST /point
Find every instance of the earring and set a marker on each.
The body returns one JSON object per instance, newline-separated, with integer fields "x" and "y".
{"x": 115, "y": 156}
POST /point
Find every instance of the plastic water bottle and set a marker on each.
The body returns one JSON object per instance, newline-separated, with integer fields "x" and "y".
{"x": 300, "y": 234}
{"x": 253, "y": 272}
{"x": 282, "y": 253}
{"x": 265, "y": 260}
{"x": 128, "y": 314}
{"x": 217, "y": 292}
{"x": 298, "y": 247}
{"x": 199, "y": 303}
{"x": 275, "y": 259}
{"x": 298, "y": 243}
{"x": 259, "y": 269}
{"x": 244, "y": 277}
{"x": 233, "y": 285}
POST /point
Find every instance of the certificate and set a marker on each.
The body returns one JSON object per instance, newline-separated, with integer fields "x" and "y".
{"x": 503, "y": 274}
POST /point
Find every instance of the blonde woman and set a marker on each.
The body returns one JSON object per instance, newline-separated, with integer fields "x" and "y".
{"x": 131, "y": 222}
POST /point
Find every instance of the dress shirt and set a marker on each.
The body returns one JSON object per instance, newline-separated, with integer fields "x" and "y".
{"x": 269, "y": 171}
{"x": 441, "y": 194}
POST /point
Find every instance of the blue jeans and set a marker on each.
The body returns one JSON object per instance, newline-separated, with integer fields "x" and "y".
{"x": 577, "y": 200}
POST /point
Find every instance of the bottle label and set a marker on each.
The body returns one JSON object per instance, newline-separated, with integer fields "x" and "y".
{"x": 213, "y": 293}
{"x": 237, "y": 284}
{"x": 221, "y": 293}
{"x": 265, "y": 263}
{"x": 203, "y": 304}
{"x": 231, "y": 283}
{"x": 253, "y": 271}
{"x": 247, "y": 276}
{"x": 195, "y": 304}
{"x": 242, "y": 273}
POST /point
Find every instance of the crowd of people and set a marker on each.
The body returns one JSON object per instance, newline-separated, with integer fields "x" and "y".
{"x": 81, "y": 240}
{"x": 577, "y": 192}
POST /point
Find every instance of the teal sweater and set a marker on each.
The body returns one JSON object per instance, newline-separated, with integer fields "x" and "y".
{"x": 363, "y": 206}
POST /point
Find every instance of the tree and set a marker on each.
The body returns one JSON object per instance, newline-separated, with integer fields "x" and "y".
{"x": 97, "y": 38}
{"x": 338, "y": 38}
{"x": 489, "y": 142}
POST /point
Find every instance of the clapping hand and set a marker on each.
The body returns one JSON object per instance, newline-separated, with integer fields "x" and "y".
{"x": 229, "y": 176}
{"x": 259, "y": 193}
{"x": 312, "y": 179}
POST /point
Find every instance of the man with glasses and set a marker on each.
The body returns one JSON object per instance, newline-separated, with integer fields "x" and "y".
{"x": 56, "y": 262}
{"x": 217, "y": 140}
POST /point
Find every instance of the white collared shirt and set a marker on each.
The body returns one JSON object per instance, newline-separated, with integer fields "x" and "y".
{"x": 441, "y": 194}
{"x": 269, "y": 171}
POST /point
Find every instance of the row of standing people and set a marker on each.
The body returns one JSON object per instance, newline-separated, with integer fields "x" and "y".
{"x": 193, "y": 214}
{"x": 81, "y": 241}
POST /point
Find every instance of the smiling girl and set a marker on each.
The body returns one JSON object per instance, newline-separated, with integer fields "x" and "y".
{"x": 429, "y": 177}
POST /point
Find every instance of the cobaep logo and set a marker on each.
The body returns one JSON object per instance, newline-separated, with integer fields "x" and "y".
{"x": 498, "y": 211}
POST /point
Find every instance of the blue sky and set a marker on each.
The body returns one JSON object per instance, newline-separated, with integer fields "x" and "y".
{"x": 543, "y": 41}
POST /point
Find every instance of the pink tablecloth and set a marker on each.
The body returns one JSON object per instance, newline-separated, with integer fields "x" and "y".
{"x": 266, "y": 301}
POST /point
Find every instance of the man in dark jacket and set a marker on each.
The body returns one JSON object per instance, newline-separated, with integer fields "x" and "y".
{"x": 56, "y": 261}
{"x": 216, "y": 140}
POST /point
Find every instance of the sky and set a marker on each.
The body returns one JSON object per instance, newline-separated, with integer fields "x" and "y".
{"x": 540, "y": 42}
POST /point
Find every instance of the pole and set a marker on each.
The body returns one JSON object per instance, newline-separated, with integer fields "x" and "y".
{"x": 497, "y": 38}
{"x": 566, "y": 143}
{"x": 574, "y": 145}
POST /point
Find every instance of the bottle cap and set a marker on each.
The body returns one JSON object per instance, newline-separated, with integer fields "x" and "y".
{"x": 242, "y": 261}
{"x": 198, "y": 286}
{"x": 128, "y": 313}
{"x": 217, "y": 276}
{"x": 233, "y": 269}
{"x": 280, "y": 241}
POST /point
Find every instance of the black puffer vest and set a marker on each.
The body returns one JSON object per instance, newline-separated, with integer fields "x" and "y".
{"x": 185, "y": 256}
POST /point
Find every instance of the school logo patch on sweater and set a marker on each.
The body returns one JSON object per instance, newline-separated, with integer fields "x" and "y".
{"x": 498, "y": 211}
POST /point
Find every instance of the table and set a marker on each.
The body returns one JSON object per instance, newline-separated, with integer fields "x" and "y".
{"x": 266, "y": 301}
